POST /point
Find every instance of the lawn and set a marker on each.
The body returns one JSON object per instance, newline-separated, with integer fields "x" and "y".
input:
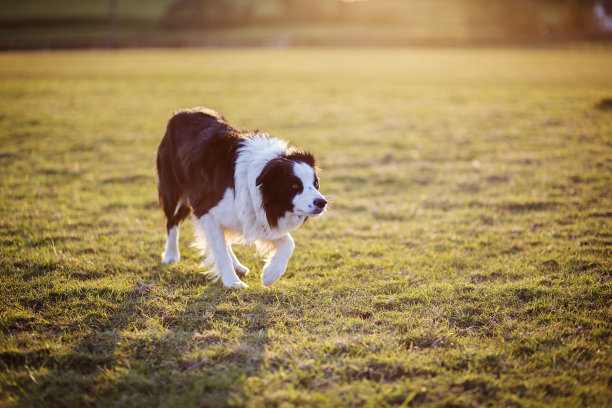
{"x": 465, "y": 260}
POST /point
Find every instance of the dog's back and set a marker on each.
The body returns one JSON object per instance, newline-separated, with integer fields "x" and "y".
{"x": 195, "y": 163}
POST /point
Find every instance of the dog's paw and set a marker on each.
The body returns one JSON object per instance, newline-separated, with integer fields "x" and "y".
{"x": 241, "y": 270}
{"x": 271, "y": 274}
{"x": 236, "y": 285}
{"x": 168, "y": 258}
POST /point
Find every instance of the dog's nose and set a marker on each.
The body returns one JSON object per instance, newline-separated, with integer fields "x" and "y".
{"x": 320, "y": 202}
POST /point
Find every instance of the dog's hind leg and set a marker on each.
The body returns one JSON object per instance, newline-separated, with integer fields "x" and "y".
{"x": 240, "y": 269}
{"x": 215, "y": 242}
{"x": 172, "y": 253}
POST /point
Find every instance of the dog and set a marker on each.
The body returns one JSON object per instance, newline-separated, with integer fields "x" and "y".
{"x": 242, "y": 187}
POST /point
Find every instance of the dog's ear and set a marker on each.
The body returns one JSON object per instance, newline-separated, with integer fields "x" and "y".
{"x": 302, "y": 156}
{"x": 273, "y": 171}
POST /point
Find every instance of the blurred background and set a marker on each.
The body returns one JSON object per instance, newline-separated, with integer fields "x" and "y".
{"x": 32, "y": 24}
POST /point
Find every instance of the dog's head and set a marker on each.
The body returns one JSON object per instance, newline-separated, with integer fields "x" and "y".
{"x": 289, "y": 184}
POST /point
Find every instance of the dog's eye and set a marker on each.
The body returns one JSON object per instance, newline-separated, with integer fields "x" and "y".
{"x": 295, "y": 186}
{"x": 316, "y": 184}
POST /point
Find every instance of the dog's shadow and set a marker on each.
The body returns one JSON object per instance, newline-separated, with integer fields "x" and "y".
{"x": 158, "y": 348}
{"x": 229, "y": 335}
{"x": 219, "y": 338}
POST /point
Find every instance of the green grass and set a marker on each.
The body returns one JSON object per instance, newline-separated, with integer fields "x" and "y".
{"x": 465, "y": 260}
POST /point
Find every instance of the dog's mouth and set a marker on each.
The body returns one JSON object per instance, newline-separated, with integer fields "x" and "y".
{"x": 311, "y": 213}
{"x": 316, "y": 211}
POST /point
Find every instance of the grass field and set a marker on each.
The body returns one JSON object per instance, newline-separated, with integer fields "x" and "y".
{"x": 465, "y": 260}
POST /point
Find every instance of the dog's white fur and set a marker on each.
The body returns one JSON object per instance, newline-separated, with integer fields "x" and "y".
{"x": 240, "y": 218}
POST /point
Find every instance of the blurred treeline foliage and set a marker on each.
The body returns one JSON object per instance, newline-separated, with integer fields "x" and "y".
{"x": 142, "y": 23}
{"x": 525, "y": 17}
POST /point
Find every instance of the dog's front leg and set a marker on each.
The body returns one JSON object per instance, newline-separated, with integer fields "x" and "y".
{"x": 215, "y": 240}
{"x": 278, "y": 264}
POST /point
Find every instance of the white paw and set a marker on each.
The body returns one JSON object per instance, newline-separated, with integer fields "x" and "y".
{"x": 241, "y": 270}
{"x": 236, "y": 285}
{"x": 271, "y": 274}
{"x": 170, "y": 257}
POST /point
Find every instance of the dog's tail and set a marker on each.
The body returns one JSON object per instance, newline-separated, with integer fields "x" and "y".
{"x": 171, "y": 196}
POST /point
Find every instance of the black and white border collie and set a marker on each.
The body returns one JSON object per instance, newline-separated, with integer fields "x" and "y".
{"x": 241, "y": 187}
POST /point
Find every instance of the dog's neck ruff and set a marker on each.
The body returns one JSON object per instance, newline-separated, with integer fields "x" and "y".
{"x": 255, "y": 152}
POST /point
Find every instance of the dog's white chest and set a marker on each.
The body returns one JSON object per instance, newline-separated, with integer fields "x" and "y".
{"x": 239, "y": 218}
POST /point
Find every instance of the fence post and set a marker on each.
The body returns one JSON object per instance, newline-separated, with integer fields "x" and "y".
{"x": 113, "y": 29}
